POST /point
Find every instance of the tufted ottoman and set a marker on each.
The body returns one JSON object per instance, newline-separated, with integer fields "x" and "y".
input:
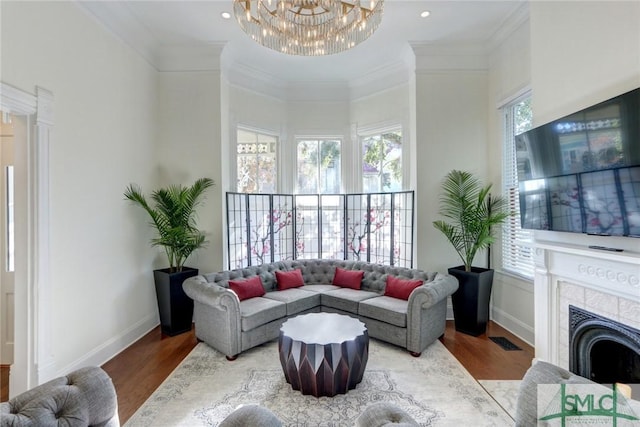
{"x": 384, "y": 414}
{"x": 251, "y": 415}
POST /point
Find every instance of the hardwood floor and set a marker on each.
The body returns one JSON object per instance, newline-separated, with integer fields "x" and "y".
{"x": 141, "y": 368}
{"x": 138, "y": 370}
{"x": 486, "y": 360}
{"x": 4, "y": 383}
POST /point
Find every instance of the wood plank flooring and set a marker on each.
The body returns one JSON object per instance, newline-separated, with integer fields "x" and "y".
{"x": 486, "y": 360}
{"x": 140, "y": 369}
{"x": 4, "y": 383}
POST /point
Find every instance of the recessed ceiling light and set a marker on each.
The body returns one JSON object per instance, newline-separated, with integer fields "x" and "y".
{"x": 425, "y": 14}
{"x": 225, "y": 15}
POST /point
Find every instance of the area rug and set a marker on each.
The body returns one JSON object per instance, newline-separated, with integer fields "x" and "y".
{"x": 434, "y": 389}
{"x": 505, "y": 392}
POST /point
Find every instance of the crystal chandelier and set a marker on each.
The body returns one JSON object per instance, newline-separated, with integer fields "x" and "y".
{"x": 308, "y": 27}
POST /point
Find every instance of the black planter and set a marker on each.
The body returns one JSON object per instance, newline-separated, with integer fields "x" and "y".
{"x": 174, "y": 306}
{"x": 471, "y": 300}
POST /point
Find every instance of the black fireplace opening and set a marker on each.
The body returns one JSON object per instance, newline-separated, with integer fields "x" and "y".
{"x": 603, "y": 350}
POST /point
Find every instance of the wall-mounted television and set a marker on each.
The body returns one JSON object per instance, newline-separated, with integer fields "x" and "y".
{"x": 581, "y": 173}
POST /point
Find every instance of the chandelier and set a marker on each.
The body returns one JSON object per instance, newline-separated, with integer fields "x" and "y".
{"x": 308, "y": 27}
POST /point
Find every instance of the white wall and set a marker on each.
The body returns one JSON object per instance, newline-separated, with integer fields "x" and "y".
{"x": 451, "y": 133}
{"x": 189, "y": 147}
{"x": 103, "y": 139}
{"x": 509, "y": 75}
{"x": 582, "y": 53}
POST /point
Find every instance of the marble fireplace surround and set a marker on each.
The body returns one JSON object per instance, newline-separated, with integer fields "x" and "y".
{"x": 602, "y": 282}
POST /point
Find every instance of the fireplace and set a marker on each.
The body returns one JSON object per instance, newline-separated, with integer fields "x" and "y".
{"x": 602, "y": 349}
{"x": 604, "y": 284}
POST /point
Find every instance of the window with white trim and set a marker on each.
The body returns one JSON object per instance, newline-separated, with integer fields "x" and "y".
{"x": 382, "y": 161}
{"x": 318, "y": 166}
{"x": 256, "y": 161}
{"x": 516, "y": 252}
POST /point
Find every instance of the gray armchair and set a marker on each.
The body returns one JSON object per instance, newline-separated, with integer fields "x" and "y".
{"x": 85, "y": 397}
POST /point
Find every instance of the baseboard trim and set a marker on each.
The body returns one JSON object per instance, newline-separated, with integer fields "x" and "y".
{"x": 449, "y": 309}
{"x": 105, "y": 352}
{"x": 515, "y": 326}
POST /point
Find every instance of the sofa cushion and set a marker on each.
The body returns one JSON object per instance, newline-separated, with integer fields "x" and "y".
{"x": 321, "y": 289}
{"x": 345, "y": 299}
{"x": 247, "y": 288}
{"x": 255, "y": 312}
{"x": 289, "y": 279}
{"x": 296, "y": 299}
{"x": 348, "y": 278}
{"x": 387, "y": 309}
{"x": 400, "y": 288}
{"x": 540, "y": 373}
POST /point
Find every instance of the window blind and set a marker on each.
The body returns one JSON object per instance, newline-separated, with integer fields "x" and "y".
{"x": 516, "y": 242}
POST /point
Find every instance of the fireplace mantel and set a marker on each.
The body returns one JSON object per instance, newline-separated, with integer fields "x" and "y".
{"x": 604, "y": 282}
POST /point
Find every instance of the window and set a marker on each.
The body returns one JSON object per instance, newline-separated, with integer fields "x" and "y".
{"x": 256, "y": 162}
{"x": 318, "y": 166}
{"x": 516, "y": 254}
{"x": 382, "y": 162}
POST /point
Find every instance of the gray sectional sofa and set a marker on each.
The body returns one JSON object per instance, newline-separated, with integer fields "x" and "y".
{"x": 232, "y": 326}
{"x": 85, "y": 397}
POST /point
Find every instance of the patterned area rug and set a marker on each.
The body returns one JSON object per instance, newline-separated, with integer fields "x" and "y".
{"x": 434, "y": 388}
{"x": 505, "y": 392}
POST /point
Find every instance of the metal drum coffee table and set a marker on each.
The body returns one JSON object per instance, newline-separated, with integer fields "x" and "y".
{"x": 323, "y": 354}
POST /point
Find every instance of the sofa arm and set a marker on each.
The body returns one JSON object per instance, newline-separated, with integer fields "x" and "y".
{"x": 198, "y": 289}
{"x": 216, "y": 314}
{"x": 427, "y": 312}
{"x": 431, "y": 293}
{"x": 85, "y": 397}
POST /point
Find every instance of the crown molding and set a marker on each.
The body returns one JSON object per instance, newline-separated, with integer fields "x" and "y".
{"x": 201, "y": 57}
{"x": 512, "y": 23}
{"x": 383, "y": 78}
{"x": 450, "y": 56}
{"x": 123, "y": 24}
{"x": 252, "y": 79}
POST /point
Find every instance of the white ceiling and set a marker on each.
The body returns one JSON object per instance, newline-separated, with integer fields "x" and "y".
{"x": 167, "y": 32}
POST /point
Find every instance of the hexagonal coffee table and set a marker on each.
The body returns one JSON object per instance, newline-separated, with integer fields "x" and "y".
{"x": 323, "y": 354}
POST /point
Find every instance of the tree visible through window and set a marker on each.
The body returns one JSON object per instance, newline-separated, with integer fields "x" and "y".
{"x": 382, "y": 162}
{"x": 256, "y": 162}
{"x": 516, "y": 253}
{"x": 318, "y": 166}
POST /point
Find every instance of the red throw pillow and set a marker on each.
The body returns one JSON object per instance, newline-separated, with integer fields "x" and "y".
{"x": 247, "y": 288}
{"x": 400, "y": 288}
{"x": 289, "y": 279}
{"x": 348, "y": 278}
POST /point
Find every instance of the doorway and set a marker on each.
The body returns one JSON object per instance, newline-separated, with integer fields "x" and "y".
{"x": 7, "y": 252}
{"x": 31, "y": 117}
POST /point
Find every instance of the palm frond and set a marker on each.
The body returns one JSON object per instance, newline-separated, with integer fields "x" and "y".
{"x": 173, "y": 216}
{"x": 472, "y": 213}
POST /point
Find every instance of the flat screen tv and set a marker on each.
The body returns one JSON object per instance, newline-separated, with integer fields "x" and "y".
{"x": 581, "y": 173}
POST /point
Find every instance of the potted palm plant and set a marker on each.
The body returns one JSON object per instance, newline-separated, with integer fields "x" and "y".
{"x": 470, "y": 216}
{"x": 173, "y": 216}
